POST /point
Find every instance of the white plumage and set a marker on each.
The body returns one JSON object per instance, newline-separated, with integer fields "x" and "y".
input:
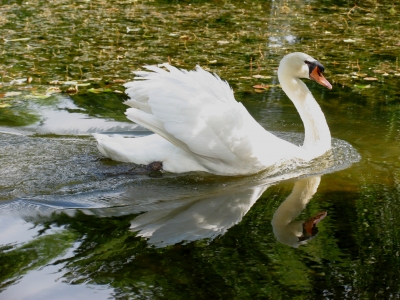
{"x": 199, "y": 126}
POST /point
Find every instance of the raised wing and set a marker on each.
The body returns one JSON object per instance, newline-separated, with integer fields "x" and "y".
{"x": 197, "y": 112}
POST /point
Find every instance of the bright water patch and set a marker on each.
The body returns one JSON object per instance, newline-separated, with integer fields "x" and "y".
{"x": 47, "y": 175}
{"x": 63, "y": 117}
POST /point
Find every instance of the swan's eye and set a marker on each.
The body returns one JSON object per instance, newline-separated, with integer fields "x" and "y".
{"x": 307, "y": 62}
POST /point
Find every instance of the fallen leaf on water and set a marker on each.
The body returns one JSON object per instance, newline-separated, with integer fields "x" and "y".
{"x": 11, "y": 94}
{"x": 119, "y": 81}
{"x": 349, "y": 41}
{"x": 362, "y": 86}
{"x": 261, "y": 86}
{"x": 370, "y": 78}
{"x": 56, "y": 82}
{"x": 285, "y": 9}
{"x": 18, "y": 81}
{"x": 245, "y": 77}
{"x": 72, "y": 90}
{"x": 222, "y": 42}
{"x": 132, "y": 29}
{"x": 52, "y": 90}
{"x": 70, "y": 82}
{"x": 16, "y": 40}
{"x": 262, "y": 76}
{"x": 100, "y": 90}
{"x": 3, "y": 105}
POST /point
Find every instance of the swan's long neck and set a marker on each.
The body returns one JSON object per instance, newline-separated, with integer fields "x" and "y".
{"x": 317, "y": 135}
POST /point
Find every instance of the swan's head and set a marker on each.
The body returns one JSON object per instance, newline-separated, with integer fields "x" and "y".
{"x": 302, "y": 65}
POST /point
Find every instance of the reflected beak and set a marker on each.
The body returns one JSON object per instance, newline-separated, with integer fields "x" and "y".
{"x": 310, "y": 226}
{"x": 313, "y": 221}
{"x": 316, "y": 75}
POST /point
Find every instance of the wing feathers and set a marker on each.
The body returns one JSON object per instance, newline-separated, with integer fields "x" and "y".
{"x": 197, "y": 112}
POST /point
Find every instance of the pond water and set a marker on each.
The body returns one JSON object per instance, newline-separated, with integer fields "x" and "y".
{"x": 74, "y": 224}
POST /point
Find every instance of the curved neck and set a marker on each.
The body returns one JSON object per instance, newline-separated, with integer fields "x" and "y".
{"x": 317, "y": 135}
{"x": 286, "y": 229}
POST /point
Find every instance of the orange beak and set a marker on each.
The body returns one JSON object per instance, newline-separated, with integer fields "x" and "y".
{"x": 316, "y": 75}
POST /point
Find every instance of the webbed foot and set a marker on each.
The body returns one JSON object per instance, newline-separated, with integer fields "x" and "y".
{"x": 155, "y": 166}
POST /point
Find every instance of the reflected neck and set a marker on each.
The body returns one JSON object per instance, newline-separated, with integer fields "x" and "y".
{"x": 286, "y": 229}
{"x": 317, "y": 138}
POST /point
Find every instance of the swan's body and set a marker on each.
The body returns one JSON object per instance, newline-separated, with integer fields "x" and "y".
{"x": 200, "y": 126}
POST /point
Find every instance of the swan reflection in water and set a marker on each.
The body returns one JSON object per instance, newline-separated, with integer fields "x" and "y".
{"x": 212, "y": 215}
{"x": 289, "y": 231}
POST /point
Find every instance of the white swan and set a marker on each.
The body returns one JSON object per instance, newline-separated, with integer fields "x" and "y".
{"x": 200, "y": 126}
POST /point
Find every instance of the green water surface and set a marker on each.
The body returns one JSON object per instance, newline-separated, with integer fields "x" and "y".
{"x": 66, "y": 212}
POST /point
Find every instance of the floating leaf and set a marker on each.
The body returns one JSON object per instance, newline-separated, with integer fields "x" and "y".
{"x": 370, "y": 78}
{"x": 16, "y": 40}
{"x": 285, "y": 9}
{"x": 72, "y": 90}
{"x": 362, "y": 86}
{"x": 100, "y": 90}
{"x": 222, "y": 42}
{"x": 262, "y": 76}
{"x": 349, "y": 41}
{"x": 53, "y": 90}
{"x": 3, "y": 105}
{"x": 18, "y": 81}
{"x": 132, "y": 29}
{"x": 119, "y": 81}
{"x": 12, "y": 94}
{"x": 261, "y": 86}
{"x": 56, "y": 82}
